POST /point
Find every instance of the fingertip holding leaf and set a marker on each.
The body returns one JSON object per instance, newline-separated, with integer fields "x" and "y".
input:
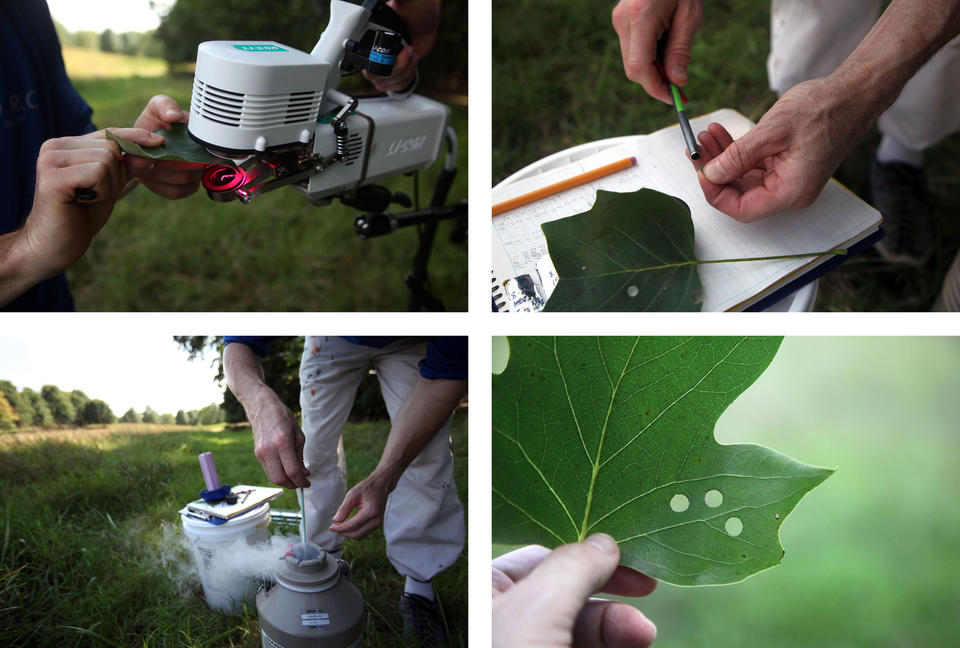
{"x": 614, "y": 435}
{"x": 177, "y": 145}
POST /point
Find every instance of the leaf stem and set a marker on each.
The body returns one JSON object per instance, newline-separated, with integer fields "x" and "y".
{"x": 835, "y": 251}
{"x": 689, "y": 262}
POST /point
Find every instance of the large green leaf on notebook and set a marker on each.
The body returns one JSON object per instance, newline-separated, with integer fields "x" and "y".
{"x": 630, "y": 252}
{"x": 615, "y": 435}
{"x": 179, "y": 147}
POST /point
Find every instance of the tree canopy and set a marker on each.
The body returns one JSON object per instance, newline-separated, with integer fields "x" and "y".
{"x": 299, "y": 24}
{"x": 61, "y": 406}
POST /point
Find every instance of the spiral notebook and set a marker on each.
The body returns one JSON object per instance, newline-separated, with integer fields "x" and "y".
{"x": 523, "y": 276}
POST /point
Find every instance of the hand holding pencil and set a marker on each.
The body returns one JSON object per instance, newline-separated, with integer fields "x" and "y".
{"x": 640, "y": 25}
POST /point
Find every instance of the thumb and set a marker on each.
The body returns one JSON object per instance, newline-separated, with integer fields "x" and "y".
{"x": 741, "y": 156}
{"x": 349, "y": 503}
{"x": 571, "y": 573}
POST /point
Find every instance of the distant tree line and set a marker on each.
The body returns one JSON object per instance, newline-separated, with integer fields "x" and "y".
{"x": 129, "y": 43}
{"x": 51, "y": 408}
{"x": 210, "y": 414}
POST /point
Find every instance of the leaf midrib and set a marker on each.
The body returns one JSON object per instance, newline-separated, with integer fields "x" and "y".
{"x": 596, "y": 464}
{"x": 603, "y": 433}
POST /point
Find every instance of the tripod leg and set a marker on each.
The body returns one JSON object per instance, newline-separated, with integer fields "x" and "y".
{"x": 420, "y": 295}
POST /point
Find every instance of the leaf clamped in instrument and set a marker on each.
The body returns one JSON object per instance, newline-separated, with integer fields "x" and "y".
{"x": 179, "y": 147}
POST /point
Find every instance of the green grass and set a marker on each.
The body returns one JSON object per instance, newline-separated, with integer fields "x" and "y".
{"x": 83, "y": 524}
{"x": 871, "y": 554}
{"x": 558, "y": 81}
{"x": 277, "y": 254}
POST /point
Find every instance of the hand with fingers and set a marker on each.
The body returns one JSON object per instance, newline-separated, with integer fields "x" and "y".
{"x": 79, "y": 179}
{"x": 277, "y": 438}
{"x": 369, "y": 498}
{"x": 785, "y": 161}
{"x": 541, "y": 598}
{"x": 167, "y": 178}
{"x": 422, "y": 18}
{"x": 277, "y": 441}
{"x": 640, "y": 24}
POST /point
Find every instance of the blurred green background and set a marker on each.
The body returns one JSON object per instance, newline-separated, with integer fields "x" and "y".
{"x": 871, "y": 554}
{"x": 279, "y": 253}
{"x": 558, "y": 81}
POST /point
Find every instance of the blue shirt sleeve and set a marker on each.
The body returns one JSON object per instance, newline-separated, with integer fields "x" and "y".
{"x": 37, "y": 103}
{"x": 259, "y": 344}
{"x": 446, "y": 358}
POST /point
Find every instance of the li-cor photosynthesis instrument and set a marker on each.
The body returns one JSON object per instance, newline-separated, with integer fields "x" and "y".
{"x": 275, "y": 116}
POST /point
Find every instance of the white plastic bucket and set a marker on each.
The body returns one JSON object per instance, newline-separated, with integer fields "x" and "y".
{"x": 225, "y": 589}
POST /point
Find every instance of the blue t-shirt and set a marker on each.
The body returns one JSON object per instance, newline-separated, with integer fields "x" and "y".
{"x": 446, "y": 355}
{"x": 37, "y": 103}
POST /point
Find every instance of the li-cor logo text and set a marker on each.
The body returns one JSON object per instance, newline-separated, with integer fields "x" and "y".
{"x": 406, "y": 145}
{"x": 259, "y": 47}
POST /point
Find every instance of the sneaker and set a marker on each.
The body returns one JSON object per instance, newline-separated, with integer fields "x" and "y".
{"x": 422, "y": 623}
{"x": 898, "y": 191}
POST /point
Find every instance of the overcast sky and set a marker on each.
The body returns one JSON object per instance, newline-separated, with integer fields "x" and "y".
{"x": 118, "y": 15}
{"x": 124, "y": 368}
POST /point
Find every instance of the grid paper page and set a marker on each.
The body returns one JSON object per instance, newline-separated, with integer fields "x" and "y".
{"x": 518, "y": 241}
{"x": 837, "y": 219}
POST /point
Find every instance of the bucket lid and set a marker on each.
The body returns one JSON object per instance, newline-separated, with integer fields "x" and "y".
{"x": 255, "y": 513}
{"x": 307, "y": 568}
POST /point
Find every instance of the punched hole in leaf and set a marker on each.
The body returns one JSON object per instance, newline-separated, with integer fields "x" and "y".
{"x": 633, "y": 291}
{"x": 713, "y": 498}
{"x": 679, "y": 503}
{"x": 733, "y": 526}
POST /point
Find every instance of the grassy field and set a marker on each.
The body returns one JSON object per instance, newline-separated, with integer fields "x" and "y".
{"x": 83, "y": 63}
{"x": 277, "y": 254}
{"x": 85, "y": 518}
{"x": 558, "y": 81}
{"x": 871, "y": 554}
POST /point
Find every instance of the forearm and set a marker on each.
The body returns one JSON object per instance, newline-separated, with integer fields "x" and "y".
{"x": 18, "y": 271}
{"x": 902, "y": 40}
{"x": 424, "y": 412}
{"x": 245, "y": 378}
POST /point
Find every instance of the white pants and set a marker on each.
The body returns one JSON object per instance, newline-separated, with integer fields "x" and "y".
{"x": 423, "y": 521}
{"x": 810, "y": 38}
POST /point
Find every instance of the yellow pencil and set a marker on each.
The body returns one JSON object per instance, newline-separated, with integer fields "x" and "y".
{"x": 563, "y": 185}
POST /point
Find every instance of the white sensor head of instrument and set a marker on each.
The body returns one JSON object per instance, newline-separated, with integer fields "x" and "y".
{"x": 253, "y": 95}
